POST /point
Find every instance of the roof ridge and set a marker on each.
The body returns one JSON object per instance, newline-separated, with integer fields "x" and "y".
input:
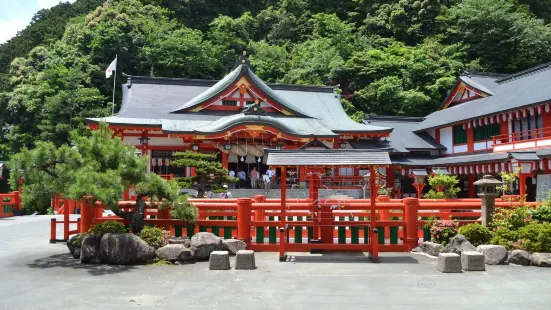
{"x": 483, "y": 74}
{"x": 140, "y": 79}
{"x": 524, "y": 73}
{"x": 394, "y": 117}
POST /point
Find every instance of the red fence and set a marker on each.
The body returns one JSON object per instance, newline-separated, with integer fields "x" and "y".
{"x": 10, "y": 203}
{"x": 341, "y": 225}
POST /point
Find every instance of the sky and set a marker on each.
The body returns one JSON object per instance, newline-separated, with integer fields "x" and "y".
{"x": 15, "y": 15}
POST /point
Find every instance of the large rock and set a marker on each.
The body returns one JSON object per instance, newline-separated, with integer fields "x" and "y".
{"x": 76, "y": 253}
{"x": 541, "y": 259}
{"x": 458, "y": 244}
{"x": 74, "y": 242}
{"x": 431, "y": 248}
{"x": 90, "y": 250}
{"x": 519, "y": 257}
{"x": 175, "y": 252}
{"x": 124, "y": 249}
{"x": 205, "y": 243}
{"x": 180, "y": 240}
{"x": 493, "y": 254}
{"x": 233, "y": 245}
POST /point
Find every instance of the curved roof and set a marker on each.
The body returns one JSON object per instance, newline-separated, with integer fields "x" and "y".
{"x": 233, "y": 77}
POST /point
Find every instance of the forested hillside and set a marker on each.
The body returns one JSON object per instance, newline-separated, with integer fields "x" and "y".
{"x": 389, "y": 57}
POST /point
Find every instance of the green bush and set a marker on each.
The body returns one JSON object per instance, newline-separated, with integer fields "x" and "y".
{"x": 185, "y": 211}
{"x": 476, "y": 233}
{"x": 505, "y": 237}
{"x": 511, "y": 218}
{"x": 112, "y": 227}
{"x": 154, "y": 236}
{"x": 443, "y": 231}
{"x": 542, "y": 213}
{"x": 535, "y": 237}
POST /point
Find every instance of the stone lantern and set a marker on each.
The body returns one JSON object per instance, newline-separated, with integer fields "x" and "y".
{"x": 379, "y": 181}
{"x": 488, "y": 193}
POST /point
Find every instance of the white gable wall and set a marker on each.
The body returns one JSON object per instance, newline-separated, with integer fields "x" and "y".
{"x": 446, "y": 139}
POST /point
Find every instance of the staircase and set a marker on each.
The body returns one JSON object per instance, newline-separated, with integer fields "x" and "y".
{"x": 297, "y": 193}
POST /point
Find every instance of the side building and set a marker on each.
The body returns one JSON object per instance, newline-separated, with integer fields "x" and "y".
{"x": 487, "y": 124}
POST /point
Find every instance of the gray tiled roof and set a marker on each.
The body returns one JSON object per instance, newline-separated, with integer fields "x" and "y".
{"x": 467, "y": 159}
{"x": 402, "y": 139}
{"x": 524, "y": 89}
{"x": 341, "y": 157}
{"x": 150, "y": 102}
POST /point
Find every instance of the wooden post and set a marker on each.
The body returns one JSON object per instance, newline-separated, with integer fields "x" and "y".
{"x": 86, "y": 215}
{"x": 411, "y": 238}
{"x": 283, "y": 216}
{"x": 244, "y": 219}
{"x": 225, "y": 160}
{"x": 522, "y": 183}
{"x": 52, "y": 230}
{"x": 470, "y": 184}
{"x": 66, "y": 219}
{"x": 375, "y": 245}
{"x": 373, "y": 195}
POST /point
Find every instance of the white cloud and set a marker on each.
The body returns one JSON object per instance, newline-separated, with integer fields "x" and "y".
{"x": 10, "y": 27}
{"x": 19, "y": 15}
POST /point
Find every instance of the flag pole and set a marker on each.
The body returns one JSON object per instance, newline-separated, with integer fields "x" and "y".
{"x": 114, "y": 80}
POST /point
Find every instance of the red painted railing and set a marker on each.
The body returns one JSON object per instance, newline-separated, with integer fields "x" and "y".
{"x": 342, "y": 225}
{"x": 522, "y": 139}
{"x": 9, "y": 203}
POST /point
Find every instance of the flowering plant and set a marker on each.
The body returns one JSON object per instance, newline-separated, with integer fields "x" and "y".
{"x": 442, "y": 231}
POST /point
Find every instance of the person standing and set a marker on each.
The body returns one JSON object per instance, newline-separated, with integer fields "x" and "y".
{"x": 254, "y": 177}
{"x": 232, "y": 175}
{"x": 267, "y": 182}
{"x": 242, "y": 178}
{"x": 270, "y": 173}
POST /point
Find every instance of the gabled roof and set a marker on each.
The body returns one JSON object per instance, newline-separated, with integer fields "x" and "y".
{"x": 149, "y": 102}
{"x": 510, "y": 93}
{"x": 242, "y": 70}
{"x": 403, "y": 139}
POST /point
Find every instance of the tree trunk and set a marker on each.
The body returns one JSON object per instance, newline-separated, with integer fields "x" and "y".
{"x": 135, "y": 217}
{"x": 201, "y": 186}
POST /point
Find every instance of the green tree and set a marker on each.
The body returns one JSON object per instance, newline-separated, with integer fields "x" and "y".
{"x": 96, "y": 167}
{"x": 210, "y": 175}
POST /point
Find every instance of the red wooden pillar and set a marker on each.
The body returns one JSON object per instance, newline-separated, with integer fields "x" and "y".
{"x": 244, "y": 206}
{"x": 470, "y": 140}
{"x": 224, "y": 160}
{"x": 472, "y": 188}
{"x": 283, "y": 216}
{"x": 411, "y": 207}
{"x": 86, "y": 215}
{"x": 522, "y": 183}
{"x": 66, "y": 211}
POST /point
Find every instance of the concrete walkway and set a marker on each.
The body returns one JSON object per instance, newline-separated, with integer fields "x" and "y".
{"x": 37, "y": 275}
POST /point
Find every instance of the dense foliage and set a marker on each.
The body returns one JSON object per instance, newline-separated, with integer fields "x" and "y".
{"x": 97, "y": 166}
{"x": 108, "y": 227}
{"x": 443, "y": 230}
{"x": 476, "y": 233}
{"x": 154, "y": 236}
{"x": 185, "y": 211}
{"x": 389, "y": 57}
{"x": 443, "y": 186}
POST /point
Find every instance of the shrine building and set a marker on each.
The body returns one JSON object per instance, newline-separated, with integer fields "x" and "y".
{"x": 487, "y": 124}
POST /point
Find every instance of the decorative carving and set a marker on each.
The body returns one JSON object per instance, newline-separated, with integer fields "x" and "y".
{"x": 254, "y": 109}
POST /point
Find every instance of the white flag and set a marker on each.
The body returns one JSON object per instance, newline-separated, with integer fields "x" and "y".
{"x": 112, "y": 67}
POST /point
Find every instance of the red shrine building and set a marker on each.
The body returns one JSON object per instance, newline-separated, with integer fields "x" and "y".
{"x": 487, "y": 124}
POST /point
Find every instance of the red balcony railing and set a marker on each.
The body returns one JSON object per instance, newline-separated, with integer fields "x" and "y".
{"x": 533, "y": 138}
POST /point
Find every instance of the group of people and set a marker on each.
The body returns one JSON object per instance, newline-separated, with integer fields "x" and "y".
{"x": 254, "y": 177}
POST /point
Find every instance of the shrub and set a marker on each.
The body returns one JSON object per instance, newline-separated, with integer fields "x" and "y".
{"x": 542, "y": 213}
{"x": 511, "y": 218}
{"x": 535, "y": 237}
{"x": 448, "y": 182}
{"x": 112, "y": 227}
{"x": 154, "y": 236}
{"x": 384, "y": 191}
{"x": 505, "y": 237}
{"x": 185, "y": 211}
{"x": 476, "y": 233}
{"x": 443, "y": 231}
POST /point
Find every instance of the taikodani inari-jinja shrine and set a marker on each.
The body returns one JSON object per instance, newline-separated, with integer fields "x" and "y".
{"x": 487, "y": 124}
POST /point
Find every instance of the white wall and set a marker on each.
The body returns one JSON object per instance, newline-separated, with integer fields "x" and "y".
{"x": 446, "y": 139}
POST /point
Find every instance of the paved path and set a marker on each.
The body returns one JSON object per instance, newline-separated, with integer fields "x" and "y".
{"x": 37, "y": 275}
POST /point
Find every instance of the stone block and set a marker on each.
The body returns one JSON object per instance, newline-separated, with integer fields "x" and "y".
{"x": 449, "y": 263}
{"x": 472, "y": 261}
{"x": 245, "y": 260}
{"x": 219, "y": 260}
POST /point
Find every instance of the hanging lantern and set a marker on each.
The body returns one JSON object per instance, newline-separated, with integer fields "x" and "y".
{"x": 480, "y": 122}
{"x": 195, "y": 147}
{"x": 469, "y": 125}
{"x": 259, "y": 159}
{"x": 242, "y": 158}
{"x": 486, "y": 121}
{"x": 159, "y": 161}
{"x": 547, "y": 108}
{"x": 491, "y": 119}
{"x": 153, "y": 162}
{"x": 496, "y": 168}
{"x": 227, "y": 146}
{"x": 342, "y": 144}
{"x": 531, "y": 110}
{"x": 167, "y": 162}
{"x": 540, "y": 109}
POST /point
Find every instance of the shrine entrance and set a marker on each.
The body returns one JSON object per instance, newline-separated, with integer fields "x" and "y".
{"x": 354, "y": 221}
